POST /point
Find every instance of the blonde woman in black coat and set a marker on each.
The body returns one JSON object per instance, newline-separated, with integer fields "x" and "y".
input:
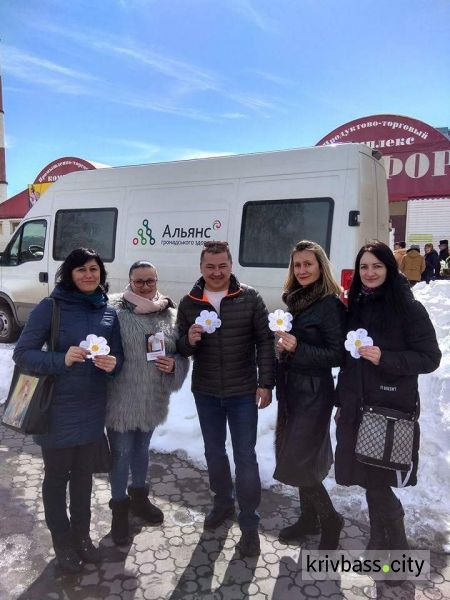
{"x": 386, "y": 375}
{"x": 305, "y": 390}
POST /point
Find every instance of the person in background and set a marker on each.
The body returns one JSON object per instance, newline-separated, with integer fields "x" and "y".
{"x": 443, "y": 250}
{"x": 443, "y": 258}
{"x": 386, "y": 374}
{"x": 138, "y": 398}
{"x": 233, "y": 376}
{"x": 399, "y": 252}
{"x": 305, "y": 390}
{"x": 77, "y": 413}
{"x": 432, "y": 264}
{"x": 413, "y": 265}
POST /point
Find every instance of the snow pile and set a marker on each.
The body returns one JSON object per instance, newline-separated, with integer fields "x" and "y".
{"x": 426, "y": 505}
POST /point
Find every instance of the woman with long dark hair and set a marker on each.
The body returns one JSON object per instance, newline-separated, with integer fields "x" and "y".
{"x": 77, "y": 413}
{"x": 305, "y": 390}
{"x": 385, "y": 375}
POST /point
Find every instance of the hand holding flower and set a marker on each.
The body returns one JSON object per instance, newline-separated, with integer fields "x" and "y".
{"x": 356, "y": 340}
{"x": 105, "y": 362}
{"x": 286, "y": 341}
{"x": 371, "y": 353}
{"x": 75, "y": 354}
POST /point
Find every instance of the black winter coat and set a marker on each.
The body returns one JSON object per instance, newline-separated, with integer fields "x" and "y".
{"x": 239, "y": 356}
{"x": 408, "y": 347}
{"x": 77, "y": 414}
{"x": 305, "y": 393}
{"x": 432, "y": 266}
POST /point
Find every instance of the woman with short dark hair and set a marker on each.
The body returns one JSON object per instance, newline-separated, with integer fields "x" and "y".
{"x": 385, "y": 375}
{"x": 77, "y": 412}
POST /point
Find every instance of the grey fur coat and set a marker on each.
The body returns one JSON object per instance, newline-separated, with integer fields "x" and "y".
{"x": 138, "y": 398}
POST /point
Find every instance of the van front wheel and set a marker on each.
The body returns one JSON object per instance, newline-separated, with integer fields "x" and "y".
{"x": 9, "y": 328}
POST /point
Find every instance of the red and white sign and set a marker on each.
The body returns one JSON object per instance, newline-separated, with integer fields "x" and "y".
{"x": 416, "y": 156}
{"x": 62, "y": 166}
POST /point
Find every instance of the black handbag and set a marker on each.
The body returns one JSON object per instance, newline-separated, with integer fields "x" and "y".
{"x": 102, "y": 457}
{"x": 386, "y": 438}
{"x": 30, "y": 395}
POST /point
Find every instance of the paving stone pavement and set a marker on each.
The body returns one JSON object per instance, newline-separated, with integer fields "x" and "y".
{"x": 174, "y": 561}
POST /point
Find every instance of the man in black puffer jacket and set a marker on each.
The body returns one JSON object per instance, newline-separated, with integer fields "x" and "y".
{"x": 233, "y": 375}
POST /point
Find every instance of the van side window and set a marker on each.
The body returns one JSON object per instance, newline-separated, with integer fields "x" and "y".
{"x": 88, "y": 228}
{"x": 271, "y": 228}
{"x": 27, "y": 244}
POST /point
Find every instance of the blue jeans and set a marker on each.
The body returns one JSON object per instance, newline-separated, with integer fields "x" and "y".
{"x": 130, "y": 450}
{"x": 241, "y": 413}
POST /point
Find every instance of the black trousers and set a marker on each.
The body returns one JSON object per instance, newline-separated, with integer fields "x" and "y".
{"x": 74, "y": 466}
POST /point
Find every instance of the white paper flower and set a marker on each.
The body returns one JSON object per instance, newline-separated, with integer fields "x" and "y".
{"x": 209, "y": 320}
{"x": 280, "y": 320}
{"x": 97, "y": 346}
{"x": 356, "y": 339}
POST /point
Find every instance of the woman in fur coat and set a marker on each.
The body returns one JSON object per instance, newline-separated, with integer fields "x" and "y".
{"x": 138, "y": 399}
{"x": 305, "y": 390}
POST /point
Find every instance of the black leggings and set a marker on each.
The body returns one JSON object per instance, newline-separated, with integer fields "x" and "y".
{"x": 63, "y": 465}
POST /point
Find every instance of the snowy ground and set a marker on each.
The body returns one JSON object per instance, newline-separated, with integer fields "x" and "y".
{"x": 427, "y": 505}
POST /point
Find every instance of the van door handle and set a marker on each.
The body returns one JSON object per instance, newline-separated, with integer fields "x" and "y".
{"x": 43, "y": 277}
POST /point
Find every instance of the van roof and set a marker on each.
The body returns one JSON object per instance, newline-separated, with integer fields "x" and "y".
{"x": 337, "y": 156}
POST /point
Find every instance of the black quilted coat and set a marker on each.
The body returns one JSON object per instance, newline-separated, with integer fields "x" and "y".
{"x": 305, "y": 393}
{"x": 237, "y": 357}
{"x": 408, "y": 347}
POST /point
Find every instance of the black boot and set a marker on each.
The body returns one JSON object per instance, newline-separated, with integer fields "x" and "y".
{"x": 65, "y": 553}
{"x": 142, "y": 507}
{"x": 396, "y": 534}
{"x": 119, "y": 523}
{"x": 378, "y": 535}
{"x": 249, "y": 544}
{"x": 385, "y": 506}
{"x": 217, "y": 516}
{"x": 306, "y": 524}
{"x": 397, "y": 540}
{"x": 86, "y": 549}
{"x": 331, "y": 522}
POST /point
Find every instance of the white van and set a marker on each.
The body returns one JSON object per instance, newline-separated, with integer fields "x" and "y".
{"x": 261, "y": 203}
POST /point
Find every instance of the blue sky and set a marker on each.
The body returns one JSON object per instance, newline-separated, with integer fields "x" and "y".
{"x": 135, "y": 81}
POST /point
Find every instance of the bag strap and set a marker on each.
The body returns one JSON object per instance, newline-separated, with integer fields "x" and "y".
{"x": 54, "y": 331}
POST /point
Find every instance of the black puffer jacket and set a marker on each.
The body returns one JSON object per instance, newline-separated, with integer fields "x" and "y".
{"x": 226, "y": 361}
{"x": 408, "y": 347}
